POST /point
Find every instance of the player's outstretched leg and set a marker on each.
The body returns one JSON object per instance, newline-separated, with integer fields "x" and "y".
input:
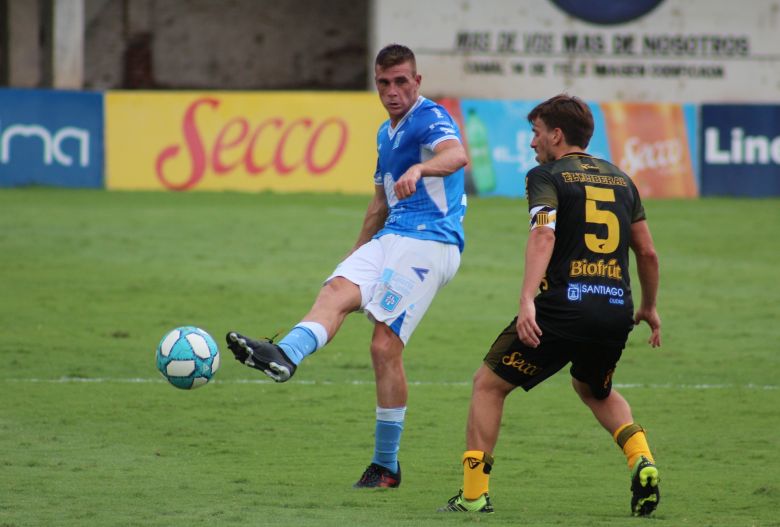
{"x": 377, "y": 476}
{"x": 262, "y": 355}
{"x": 458, "y": 503}
{"x": 645, "y": 495}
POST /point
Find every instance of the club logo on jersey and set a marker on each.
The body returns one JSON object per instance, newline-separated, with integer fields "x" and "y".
{"x": 421, "y": 272}
{"x": 575, "y": 292}
{"x": 390, "y": 301}
{"x": 543, "y": 216}
{"x": 398, "y": 137}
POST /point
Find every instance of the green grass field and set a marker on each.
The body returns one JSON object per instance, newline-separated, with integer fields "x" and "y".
{"x": 90, "y": 435}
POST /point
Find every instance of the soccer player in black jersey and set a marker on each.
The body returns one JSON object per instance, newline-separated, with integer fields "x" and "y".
{"x": 575, "y": 303}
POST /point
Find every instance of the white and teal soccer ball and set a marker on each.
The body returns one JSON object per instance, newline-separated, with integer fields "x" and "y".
{"x": 187, "y": 357}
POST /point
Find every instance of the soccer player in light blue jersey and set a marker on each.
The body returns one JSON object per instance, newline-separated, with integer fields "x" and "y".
{"x": 408, "y": 248}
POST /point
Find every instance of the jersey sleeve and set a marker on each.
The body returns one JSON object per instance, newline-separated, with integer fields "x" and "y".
{"x": 542, "y": 198}
{"x": 378, "y": 179}
{"x": 437, "y": 126}
{"x": 539, "y": 189}
{"x": 638, "y": 212}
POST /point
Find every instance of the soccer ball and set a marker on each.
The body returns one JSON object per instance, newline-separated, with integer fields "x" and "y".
{"x": 187, "y": 357}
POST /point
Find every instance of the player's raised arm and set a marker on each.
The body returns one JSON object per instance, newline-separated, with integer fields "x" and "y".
{"x": 449, "y": 156}
{"x": 647, "y": 269}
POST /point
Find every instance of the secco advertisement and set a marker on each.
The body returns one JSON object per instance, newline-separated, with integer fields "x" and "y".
{"x": 741, "y": 150}
{"x": 52, "y": 138}
{"x": 650, "y": 143}
{"x": 280, "y": 141}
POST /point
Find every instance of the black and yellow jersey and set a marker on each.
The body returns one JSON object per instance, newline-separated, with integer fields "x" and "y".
{"x": 591, "y": 204}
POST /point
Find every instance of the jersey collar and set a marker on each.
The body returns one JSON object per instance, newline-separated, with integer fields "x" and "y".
{"x": 391, "y": 131}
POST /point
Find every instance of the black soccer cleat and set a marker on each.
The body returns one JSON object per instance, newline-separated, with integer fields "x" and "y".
{"x": 379, "y": 477}
{"x": 262, "y": 355}
{"x": 645, "y": 495}
{"x": 458, "y": 503}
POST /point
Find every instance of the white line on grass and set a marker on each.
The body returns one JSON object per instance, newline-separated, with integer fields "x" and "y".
{"x": 149, "y": 380}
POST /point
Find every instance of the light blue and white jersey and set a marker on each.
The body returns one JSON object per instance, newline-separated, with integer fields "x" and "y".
{"x": 436, "y": 210}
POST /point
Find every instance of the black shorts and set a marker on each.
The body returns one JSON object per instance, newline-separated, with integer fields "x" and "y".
{"x": 592, "y": 363}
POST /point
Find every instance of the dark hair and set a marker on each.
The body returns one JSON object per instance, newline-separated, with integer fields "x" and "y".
{"x": 395, "y": 54}
{"x": 570, "y": 114}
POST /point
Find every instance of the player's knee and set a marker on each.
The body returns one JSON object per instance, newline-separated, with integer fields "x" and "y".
{"x": 336, "y": 287}
{"x": 479, "y": 380}
{"x": 589, "y": 393}
{"x": 386, "y": 346}
{"x": 338, "y": 294}
{"x": 485, "y": 380}
{"x": 582, "y": 389}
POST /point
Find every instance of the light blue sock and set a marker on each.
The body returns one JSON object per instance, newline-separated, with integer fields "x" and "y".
{"x": 303, "y": 340}
{"x": 389, "y": 426}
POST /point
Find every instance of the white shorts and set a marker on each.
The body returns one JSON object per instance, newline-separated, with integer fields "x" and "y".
{"x": 398, "y": 278}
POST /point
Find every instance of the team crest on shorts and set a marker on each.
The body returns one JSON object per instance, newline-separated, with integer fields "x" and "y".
{"x": 390, "y": 301}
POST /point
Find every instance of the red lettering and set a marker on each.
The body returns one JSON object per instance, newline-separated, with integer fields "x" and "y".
{"x": 235, "y": 136}
{"x": 249, "y": 161}
{"x": 317, "y": 170}
{"x": 220, "y": 144}
{"x": 194, "y": 146}
{"x": 169, "y": 152}
{"x": 281, "y": 167}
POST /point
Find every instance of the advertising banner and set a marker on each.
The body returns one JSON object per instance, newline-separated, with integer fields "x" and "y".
{"x": 655, "y": 144}
{"x": 649, "y": 142}
{"x": 52, "y": 138}
{"x": 498, "y": 139}
{"x": 498, "y": 136}
{"x": 741, "y": 150}
{"x": 607, "y": 50}
{"x": 280, "y": 141}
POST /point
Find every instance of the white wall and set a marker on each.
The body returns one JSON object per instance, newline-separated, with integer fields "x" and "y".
{"x": 681, "y": 51}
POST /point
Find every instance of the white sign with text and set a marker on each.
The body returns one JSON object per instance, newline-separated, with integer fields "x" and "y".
{"x": 650, "y": 50}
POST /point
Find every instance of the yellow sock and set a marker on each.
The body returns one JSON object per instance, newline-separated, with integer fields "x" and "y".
{"x": 631, "y": 438}
{"x": 476, "y": 473}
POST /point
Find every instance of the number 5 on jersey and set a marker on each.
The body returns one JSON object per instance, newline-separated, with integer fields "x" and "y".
{"x": 593, "y": 214}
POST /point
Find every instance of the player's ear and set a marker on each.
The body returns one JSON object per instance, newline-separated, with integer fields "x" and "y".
{"x": 558, "y": 136}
